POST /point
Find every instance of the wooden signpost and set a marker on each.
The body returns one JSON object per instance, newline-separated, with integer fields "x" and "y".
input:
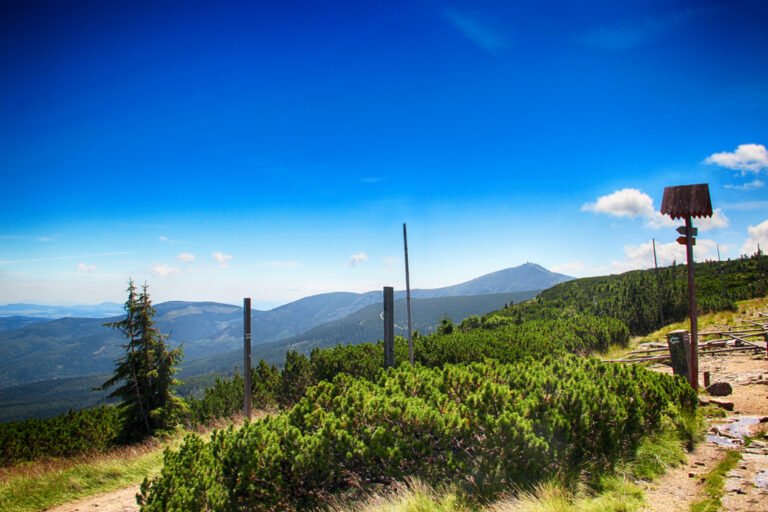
{"x": 686, "y": 202}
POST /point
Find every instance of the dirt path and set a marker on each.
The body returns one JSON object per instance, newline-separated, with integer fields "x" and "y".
{"x": 122, "y": 500}
{"x": 747, "y": 485}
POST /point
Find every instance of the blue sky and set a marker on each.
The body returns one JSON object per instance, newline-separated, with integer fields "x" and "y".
{"x": 274, "y": 149}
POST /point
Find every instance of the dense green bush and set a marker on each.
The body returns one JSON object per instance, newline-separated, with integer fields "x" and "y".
{"x": 224, "y": 398}
{"x": 487, "y": 426}
{"x": 87, "y": 430}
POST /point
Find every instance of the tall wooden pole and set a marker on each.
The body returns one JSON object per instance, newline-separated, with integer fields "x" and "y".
{"x": 389, "y": 326}
{"x": 408, "y": 296}
{"x": 247, "y": 358}
{"x": 693, "y": 360}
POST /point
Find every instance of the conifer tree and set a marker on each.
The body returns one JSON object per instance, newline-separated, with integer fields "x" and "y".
{"x": 144, "y": 374}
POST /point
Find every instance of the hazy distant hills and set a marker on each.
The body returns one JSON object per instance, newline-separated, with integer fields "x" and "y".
{"x": 35, "y": 348}
{"x": 103, "y": 310}
{"x": 365, "y": 325}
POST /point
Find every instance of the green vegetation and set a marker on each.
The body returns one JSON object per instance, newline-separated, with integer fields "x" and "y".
{"x": 646, "y": 300}
{"x": 69, "y": 434}
{"x": 714, "y": 483}
{"x": 488, "y": 426}
{"x": 144, "y": 374}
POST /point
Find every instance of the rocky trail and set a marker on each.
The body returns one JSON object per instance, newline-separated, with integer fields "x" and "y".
{"x": 746, "y": 486}
{"x": 121, "y": 500}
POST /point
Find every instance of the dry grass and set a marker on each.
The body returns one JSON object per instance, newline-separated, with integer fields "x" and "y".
{"x": 747, "y": 310}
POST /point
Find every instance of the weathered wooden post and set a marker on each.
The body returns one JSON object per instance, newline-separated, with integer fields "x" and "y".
{"x": 389, "y": 326}
{"x": 685, "y": 202}
{"x": 247, "y": 358}
{"x": 408, "y": 296}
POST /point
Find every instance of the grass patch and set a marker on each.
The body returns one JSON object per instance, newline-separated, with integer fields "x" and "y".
{"x": 615, "y": 495}
{"x": 28, "y": 492}
{"x": 714, "y": 484}
{"x": 746, "y": 309}
{"x": 656, "y": 454}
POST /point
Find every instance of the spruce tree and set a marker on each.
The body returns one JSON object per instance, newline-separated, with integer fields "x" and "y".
{"x": 144, "y": 374}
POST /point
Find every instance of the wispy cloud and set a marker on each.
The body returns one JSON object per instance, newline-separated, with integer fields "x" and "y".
{"x": 357, "y": 258}
{"x": 390, "y": 262}
{"x": 31, "y": 238}
{"x": 636, "y": 32}
{"x": 163, "y": 270}
{"x": 372, "y": 180}
{"x": 281, "y": 264}
{"x": 746, "y": 158}
{"x": 85, "y": 268}
{"x": 186, "y": 257}
{"x": 63, "y": 258}
{"x": 747, "y": 205}
{"x": 752, "y": 185}
{"x": 479, "y": 29}
{"x": 168, "y": 240}
{"x": 222, "y": 259}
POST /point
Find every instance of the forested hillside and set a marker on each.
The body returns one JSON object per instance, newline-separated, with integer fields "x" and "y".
{"x": 648, "y": 299}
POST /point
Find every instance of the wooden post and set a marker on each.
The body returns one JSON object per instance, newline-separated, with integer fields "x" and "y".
{"x": 693, "y": 359}
{"x": 408, "y": 296}
{"x": 247, "y": 358}
{"x": 389, "y": 326}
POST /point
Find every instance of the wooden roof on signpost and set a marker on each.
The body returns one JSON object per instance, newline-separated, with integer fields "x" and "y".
{"x": 687, "y": 201}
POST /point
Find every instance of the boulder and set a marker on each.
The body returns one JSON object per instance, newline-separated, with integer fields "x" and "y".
{"x": 720, "y": 389}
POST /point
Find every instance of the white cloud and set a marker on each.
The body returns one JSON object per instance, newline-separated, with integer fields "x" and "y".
{"x": 656, "y": 220}
{"x": 633, "y": 203}
{"x": 641, "y": 256}
{"x": 480, "y": 30}
{"x": 628, "y": 202}
{"x": 747, "y": 157}
{"x": 716, "y": 221}
{"x": 222, "y": 259}
{"x": 163, "y": 270}
{"x": 752, "y": 185}
{"x": 757, "y": 235}
{"x": 84, "y": 267}
{"x": 372, "y": 180}
{"x": 186, "y": 257}
{"x": 358, "y": 258}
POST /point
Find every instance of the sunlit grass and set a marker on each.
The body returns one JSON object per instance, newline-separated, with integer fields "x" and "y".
{"x": 39, "y": 485}
{"x": 37, "y": 490}
{"x": 746, "y": 309}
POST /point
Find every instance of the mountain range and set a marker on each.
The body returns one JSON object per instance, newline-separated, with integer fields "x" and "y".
{"x": 41, "y": 353}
